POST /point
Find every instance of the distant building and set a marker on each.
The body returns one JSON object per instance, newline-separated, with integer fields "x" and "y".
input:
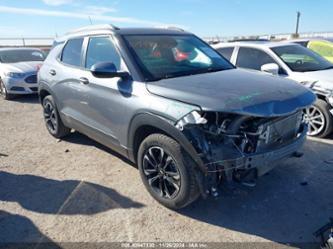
{"x": 286, "y": 36}
{"x": 43, "y": 43}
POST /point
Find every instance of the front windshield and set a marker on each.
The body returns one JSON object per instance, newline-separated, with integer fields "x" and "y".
{"x": 21, "y": 55}
{"x": 300, "y": 59}
{"x": 167, "y": 56}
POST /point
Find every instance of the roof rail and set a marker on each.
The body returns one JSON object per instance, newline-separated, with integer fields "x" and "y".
{"x": 171, "y": 28}
{"x": 94, "y": 28}
{"x": 249, "y": 40}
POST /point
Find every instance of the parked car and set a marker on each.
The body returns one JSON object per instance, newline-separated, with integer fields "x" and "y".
{"x": 18, "y": 71}
{"x": 322, "y": 46}
{"x": 46, "y": 51}
{"x": 171, "y": 104}
{"x": 294, "y": 62}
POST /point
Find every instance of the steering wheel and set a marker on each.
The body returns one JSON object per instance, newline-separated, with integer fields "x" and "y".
{"x": 299, "y": 62}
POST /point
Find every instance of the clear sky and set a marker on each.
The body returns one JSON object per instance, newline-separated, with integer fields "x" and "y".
{"x": 204, "y": 17}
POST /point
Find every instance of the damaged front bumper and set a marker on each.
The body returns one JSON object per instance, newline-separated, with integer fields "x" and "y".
{"x": 330, "y": 100}
{"x": 265, "y": 161}
{"x": 241, "y": 148}
{"x": 326, "y": 93}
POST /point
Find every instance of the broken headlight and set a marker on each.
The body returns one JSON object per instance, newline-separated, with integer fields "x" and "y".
{"x": 330, "y": 98}
{"x": 191, "y": 118}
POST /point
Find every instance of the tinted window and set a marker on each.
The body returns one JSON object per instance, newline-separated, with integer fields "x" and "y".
{"x": 252, "y": 58}
{"x": 101, "y": 49}
{"x": 72, "y": 52}
{"x": 300, "y": 59}
{"x": 168, "y": 56}
{"x": 20, "y": 55}
{"x": 226, "y": 52}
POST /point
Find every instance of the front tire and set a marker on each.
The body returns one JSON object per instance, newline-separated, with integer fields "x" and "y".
{"x": 319, "y": 118}
{"x": 4, "y": 93}
{"x": 167, "y": 172}
{"x": 52, "y": 119}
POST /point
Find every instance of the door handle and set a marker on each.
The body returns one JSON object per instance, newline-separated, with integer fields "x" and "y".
{"x": 53, "y": 72}
{"x": 84, "y": 80}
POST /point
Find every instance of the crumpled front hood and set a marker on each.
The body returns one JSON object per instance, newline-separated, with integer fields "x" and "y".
{"x": 237, "y": 91}
{"x": 21, "y": 67}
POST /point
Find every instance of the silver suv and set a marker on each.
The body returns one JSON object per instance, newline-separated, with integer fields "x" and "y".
{"x": 171, "y": 104}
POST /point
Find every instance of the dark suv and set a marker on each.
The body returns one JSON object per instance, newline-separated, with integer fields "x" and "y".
{"x": 171, "y": 104}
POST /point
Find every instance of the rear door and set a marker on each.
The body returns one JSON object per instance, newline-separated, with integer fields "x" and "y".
{"x": 71, "y": 93}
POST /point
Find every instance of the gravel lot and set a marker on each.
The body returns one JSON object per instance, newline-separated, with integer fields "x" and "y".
{"x": 76, "y": 190}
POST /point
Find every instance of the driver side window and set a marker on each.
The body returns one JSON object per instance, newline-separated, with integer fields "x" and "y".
{"x": 252, "y": 58}
{"x": 102, "y": 49}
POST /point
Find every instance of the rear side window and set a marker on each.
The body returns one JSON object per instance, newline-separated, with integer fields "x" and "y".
{"x": 71, "y": 54}
{"x": 252, "y": 58}
{"x": 101, "y": 49}
{"x": 226, "y": 52}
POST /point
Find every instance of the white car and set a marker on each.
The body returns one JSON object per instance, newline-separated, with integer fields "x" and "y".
{"x": 291, "y": 61}
{"x": 18, "y": 71}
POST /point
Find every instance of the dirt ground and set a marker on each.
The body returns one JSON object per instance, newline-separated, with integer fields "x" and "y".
{"x": 76, "y": 190}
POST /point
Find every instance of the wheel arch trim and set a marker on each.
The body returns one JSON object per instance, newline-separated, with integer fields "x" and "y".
{"x": 160, "y": 123}
{"x": 44, "y": 87}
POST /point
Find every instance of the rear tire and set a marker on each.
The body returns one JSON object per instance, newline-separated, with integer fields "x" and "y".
{"x": 52, "y": 119}
{"x": 4, "y": 93}
{"x": 320, "y": 119}
{"x": 167, "y": 172}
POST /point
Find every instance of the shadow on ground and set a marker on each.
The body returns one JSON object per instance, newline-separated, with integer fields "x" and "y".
{"x": 287, "y": 205}
{"x": 70, "y": 197}
{"x": 14, "y": 228}
{"x": 79, "y": 138}
{"x": 26, "y": 99}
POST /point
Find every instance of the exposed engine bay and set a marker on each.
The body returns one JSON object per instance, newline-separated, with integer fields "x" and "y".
{"x": 242, "y": 148}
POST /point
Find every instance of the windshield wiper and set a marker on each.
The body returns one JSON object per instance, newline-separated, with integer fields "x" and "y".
{"x": 189, "y": 73}
{"x": 206, "y": 70}
{"x": 211, "y": 69}
{"x": 318, "y": 69}
{"x": 330, "y": 67}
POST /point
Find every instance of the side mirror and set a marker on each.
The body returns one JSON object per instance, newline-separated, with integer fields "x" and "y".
{"x": 107, "y": 70}
{"x": 271, "y": 68}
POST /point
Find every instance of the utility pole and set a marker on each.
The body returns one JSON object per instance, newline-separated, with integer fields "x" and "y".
{"x": 297, "y": 23}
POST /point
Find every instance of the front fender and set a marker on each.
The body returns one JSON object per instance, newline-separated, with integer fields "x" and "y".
{"x": 167, "y": 127}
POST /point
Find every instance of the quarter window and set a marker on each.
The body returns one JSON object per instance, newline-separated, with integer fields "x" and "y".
{"x": 102, "y": 49}
{"x": 252, "y": 58}
{"x": 72, "y": 52}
